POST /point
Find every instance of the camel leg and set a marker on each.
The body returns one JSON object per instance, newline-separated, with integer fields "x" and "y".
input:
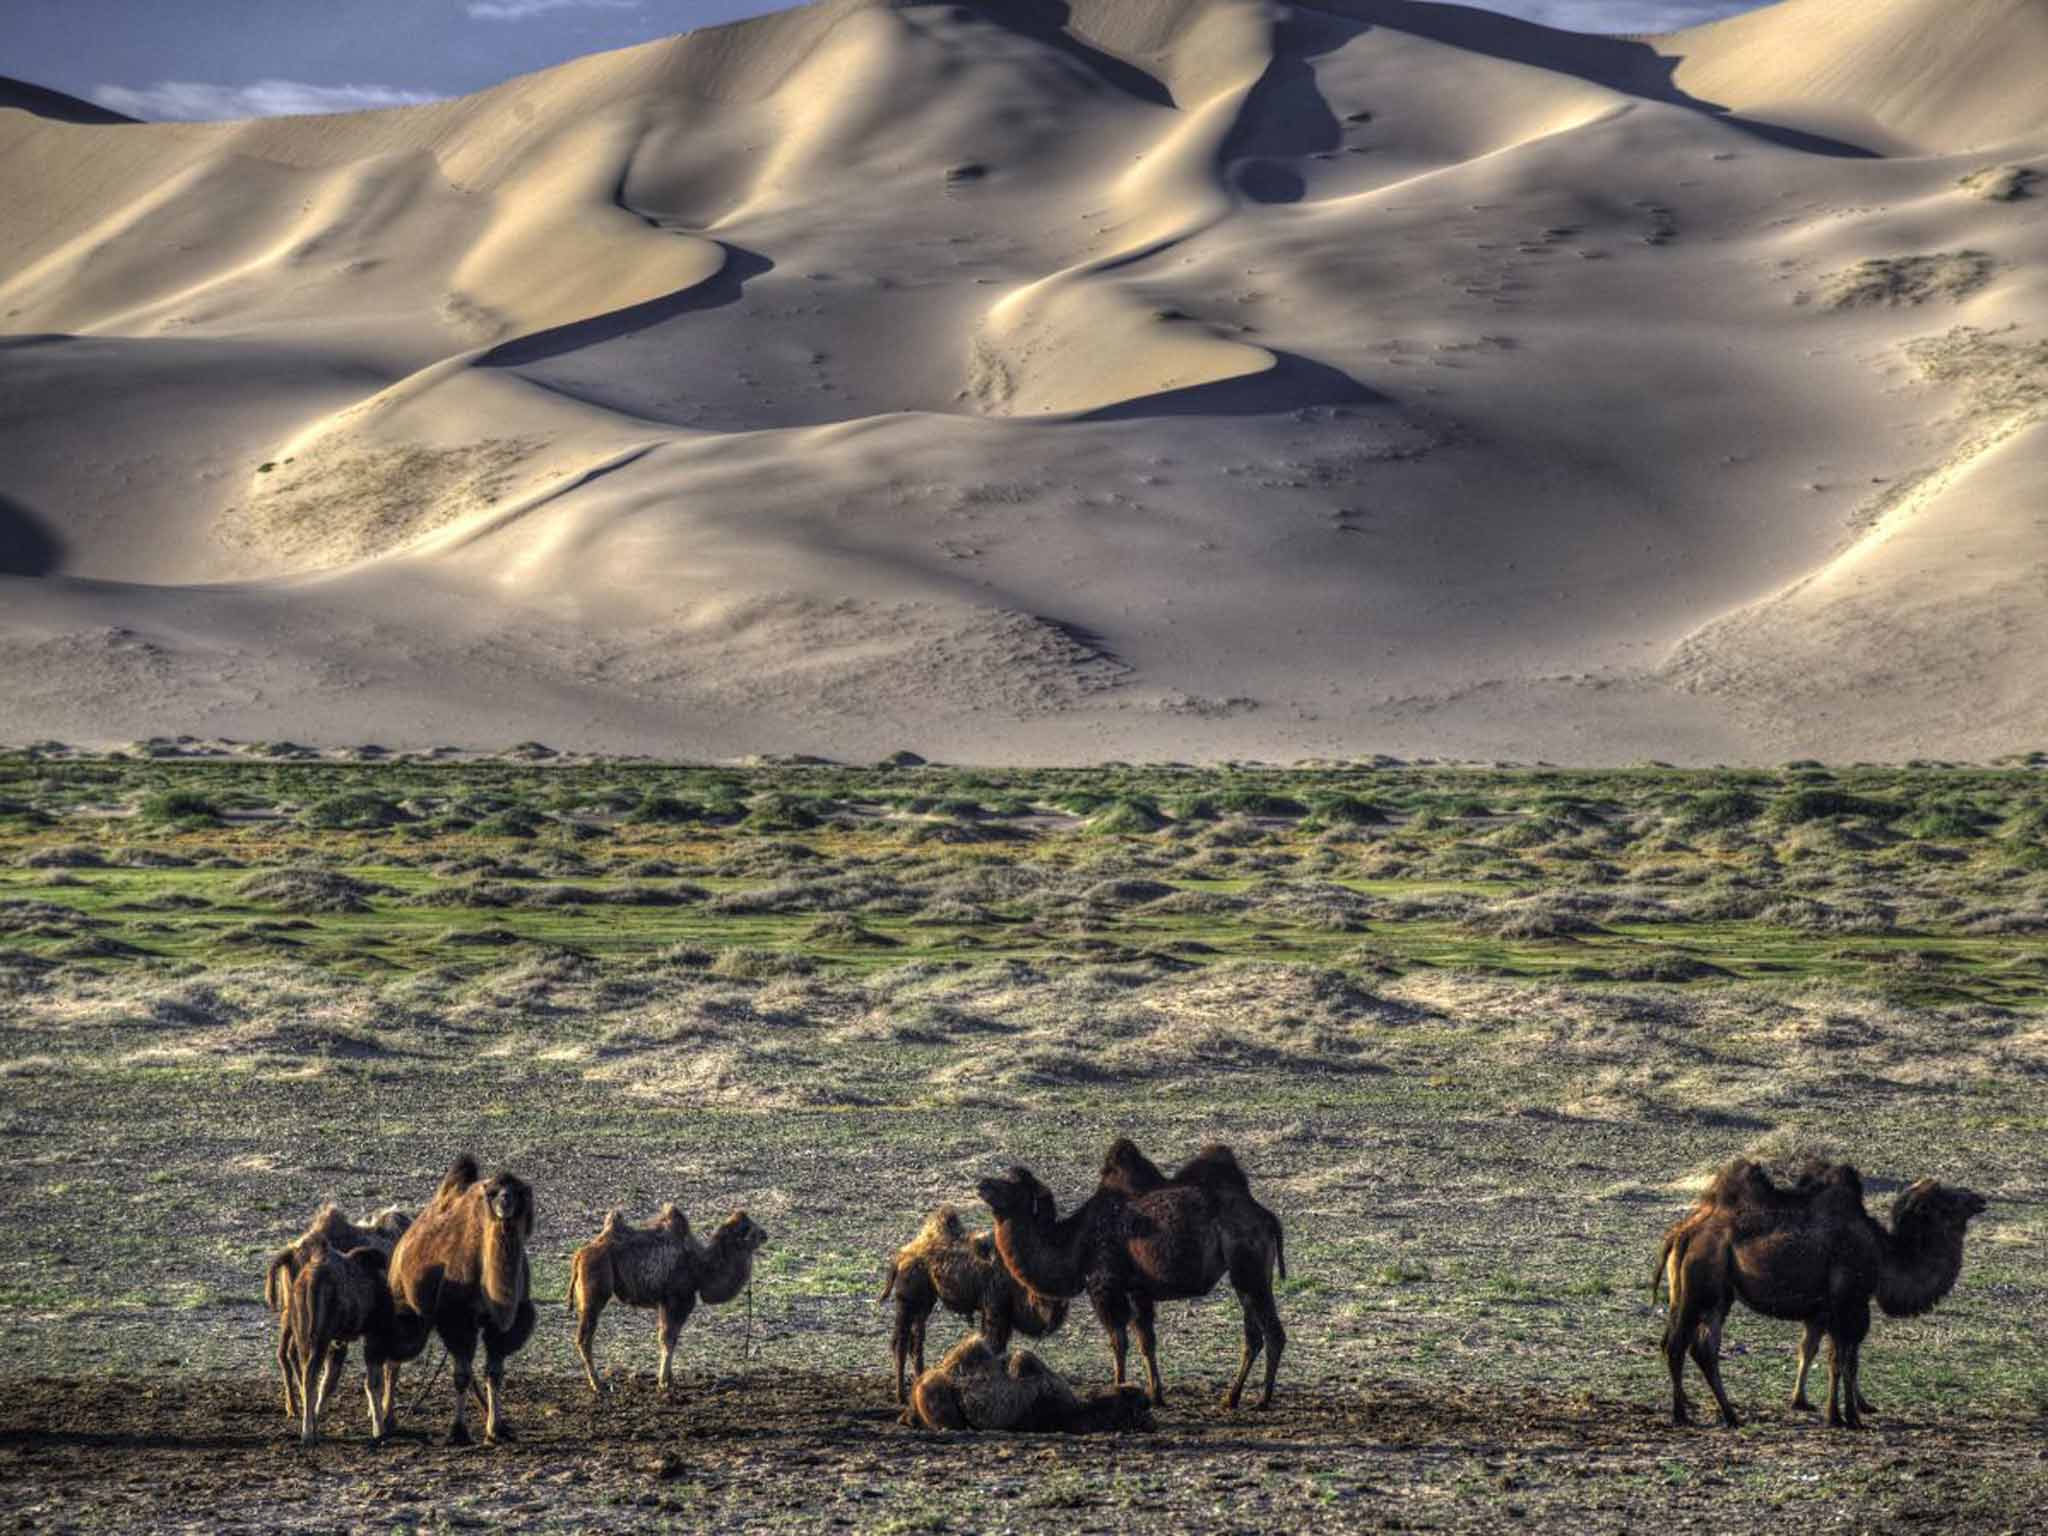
{"x": 1148, "y": 1345}
{"x": 1254, "y": 1341}
{"x": 288, "y": 1369}
{"x": 917, "y": 1341}
{"x": 337, "y": 1362}
{"x": 1706, "y": 1353}
{"x": 1679, "y": 1326}
{"x": 1253, "y": 1283}
{"x": 671, "y": 1316}
{"x": 459, "y": 1339}
{"x": 373, "y": 1371}
{"x": 1851, "y": 1325}
{"x": 586, "y": 1338}
{"x": 1809, "y": 1346}
{"x": 311, "y": 1385}
{"x": 1113, "y": 1311}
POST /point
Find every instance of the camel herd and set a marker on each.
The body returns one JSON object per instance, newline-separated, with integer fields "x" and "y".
{"x": 1807, "y": 1251}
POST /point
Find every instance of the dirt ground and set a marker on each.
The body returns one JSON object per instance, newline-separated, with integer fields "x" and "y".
{"x": 787, "y": 1451}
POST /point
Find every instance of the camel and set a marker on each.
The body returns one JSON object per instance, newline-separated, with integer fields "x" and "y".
{"x": 946, "y": 1265}
{"x": 1810, "y": 1255}
{"x": 335, "y": 1298}
{"x": 1130, "y": 1252}
{"x": 1743, "y": 1180}
{"x": 1214, "y": 1168}
{"x": 461, "y": 1272}
{"x": 330, "y": 1227}
{"x": 659, "y": 1265}
{"x": 975, "y": 1387}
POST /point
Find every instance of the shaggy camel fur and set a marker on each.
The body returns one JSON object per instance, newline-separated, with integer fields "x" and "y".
{"x": 946, "y": 1265}
{"x": 662, "y": 1266}
{"x": 975, "y": 1387}
{"x": 1812, "y": 1256}
{"x": 337, "y": 1232}
{"x": 1743, "y": 1180}
{"x": 1130, "y": 1252}
{"x": 336, "y": 1298}
{"x": 461, "y": 1272}
{"x": 1215, "y": 1168}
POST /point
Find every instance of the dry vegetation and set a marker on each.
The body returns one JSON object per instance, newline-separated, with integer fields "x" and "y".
{"x": 1477, "y": 1034}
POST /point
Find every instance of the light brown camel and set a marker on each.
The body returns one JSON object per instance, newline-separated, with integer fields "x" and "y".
{"x": 975, "y": 1387}
{"x": 1813, "y": 1257}
{"x": 946, "y": 1265}
{"x": 658, "y": 1265}
{"x": 461, "y": 1272}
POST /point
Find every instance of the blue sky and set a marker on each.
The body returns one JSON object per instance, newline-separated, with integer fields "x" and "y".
{"x": 238, "y": 58}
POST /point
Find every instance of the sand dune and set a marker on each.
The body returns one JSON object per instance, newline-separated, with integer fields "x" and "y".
{"x": 1193, "y": 378}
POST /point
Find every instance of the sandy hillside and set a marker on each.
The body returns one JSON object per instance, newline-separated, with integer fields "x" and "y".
{"x": 1025, "y": 381}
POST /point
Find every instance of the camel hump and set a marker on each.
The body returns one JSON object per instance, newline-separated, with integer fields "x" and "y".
{"x": 614, "y": 1223}
{"x": 1215, "y": 1167}
{"x": 1125, "y": 1168}
{"x": 463, "y": 1173}
{"x": 375, "y": 1260}
{"x": 1025, "y": 1366}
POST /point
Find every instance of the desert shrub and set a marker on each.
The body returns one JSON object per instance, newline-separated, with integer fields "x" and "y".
{"x": 1717, "y": 808}
{"x": 665, "y": 810}
{"x": 355, "y": 811}
{"x": 1259, "y": 802}
{"x": 310, "y": 890}
{"x": 1126, "y": 816}
{"x": 1797, "y": 806}
{"x": 751, "y": 963}
{"x": 1346, "y": 811}
{"x": 179, "y": 805}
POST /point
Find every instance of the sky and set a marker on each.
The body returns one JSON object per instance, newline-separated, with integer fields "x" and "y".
{"x": 199, "y": 59}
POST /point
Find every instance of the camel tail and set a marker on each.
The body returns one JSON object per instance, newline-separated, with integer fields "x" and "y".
{"x": 1663, "y": 1266}
{"x": 889, "y": 1284}
{"x": 277, "y": 1282}
{"x": 1280, "y": 1248}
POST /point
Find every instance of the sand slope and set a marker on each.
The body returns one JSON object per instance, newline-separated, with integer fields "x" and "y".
{"x": 1018, "y": 380}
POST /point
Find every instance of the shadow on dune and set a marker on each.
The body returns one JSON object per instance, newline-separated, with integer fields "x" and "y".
{"x": 1292, "y": 383}
{"x": 41, "y": 101}
{"x": 27, "y": 547}
{"x": 1046, "y": 21}
{"x": 1618, "y": 63}
{"x": 723, "y": 287}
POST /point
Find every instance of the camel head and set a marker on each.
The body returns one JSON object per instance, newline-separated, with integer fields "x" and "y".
{"x": 1933, "y": 1203}
{"x": 740, "y": 1231}
{"x": 509, "y": 1199}
{"x": 1018, "y": 1196}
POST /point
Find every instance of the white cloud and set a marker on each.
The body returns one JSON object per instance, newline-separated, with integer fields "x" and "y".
{"x": 1639, "y": 16}
{"x": 188, "y": 101}
{"x": 519, "y": 10}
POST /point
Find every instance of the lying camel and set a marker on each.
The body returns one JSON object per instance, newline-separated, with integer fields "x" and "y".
{"x": 975, "y": 1387}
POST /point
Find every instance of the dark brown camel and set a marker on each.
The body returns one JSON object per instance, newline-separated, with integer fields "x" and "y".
{"x": 461, "y": 1272}
{"x": 946, "y": 1265}
{"x": 1130, "y": 1252}
{"x": 329, "y": 1228}
{"x": 1743, "y": 1180}
{"x": 1214, "y": 1168}
{"x": 334, "y": 1299}
{"x": 1812, "y": 1256}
